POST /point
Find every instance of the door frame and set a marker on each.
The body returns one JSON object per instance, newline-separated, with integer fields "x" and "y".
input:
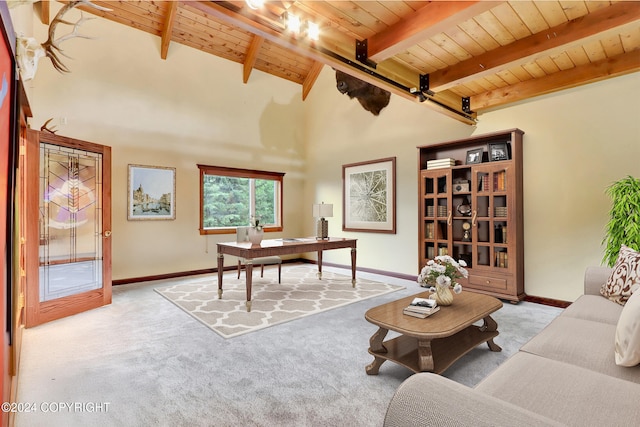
{"x": 37, "y": 312}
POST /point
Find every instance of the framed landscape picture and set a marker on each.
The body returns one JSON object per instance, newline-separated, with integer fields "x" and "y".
{"x": 152, "y": 193}
{"x": 369, "y": 196}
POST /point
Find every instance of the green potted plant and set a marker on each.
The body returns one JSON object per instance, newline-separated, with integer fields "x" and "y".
{"x": 623, "y": 227}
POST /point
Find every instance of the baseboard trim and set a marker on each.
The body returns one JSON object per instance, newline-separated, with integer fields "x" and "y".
{"x": 548, "y": 301}
{"x": 364, "y": 269}
{"x": 181, "y": 274}
{"x": 529, "y": 298}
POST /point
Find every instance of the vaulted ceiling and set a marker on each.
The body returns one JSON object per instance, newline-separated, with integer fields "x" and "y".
{"x": 461, "y": 58}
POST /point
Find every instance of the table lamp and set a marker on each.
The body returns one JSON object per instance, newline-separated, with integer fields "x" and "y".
{"x": 322, "y": 211}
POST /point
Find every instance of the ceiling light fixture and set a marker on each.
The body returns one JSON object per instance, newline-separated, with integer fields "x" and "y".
{"x": 313, "y": 30}
{"x": 293, "y": 23}
{"x": 254, "y": 4}
{"x": 298, "y": 27}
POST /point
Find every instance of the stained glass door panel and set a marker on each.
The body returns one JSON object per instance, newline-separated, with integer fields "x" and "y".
{"x": 70, "y": 250}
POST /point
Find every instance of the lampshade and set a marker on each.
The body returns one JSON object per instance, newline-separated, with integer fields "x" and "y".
{"x": 323, "y": 210}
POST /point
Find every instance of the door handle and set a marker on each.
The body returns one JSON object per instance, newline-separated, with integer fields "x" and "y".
{"x": 107, "y": 233}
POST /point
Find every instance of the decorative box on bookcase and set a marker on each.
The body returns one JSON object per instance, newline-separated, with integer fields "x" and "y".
{"x": 482, "y": 222}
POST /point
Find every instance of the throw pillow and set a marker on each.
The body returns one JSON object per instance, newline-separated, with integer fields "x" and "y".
{"x": 625, "y": 277}
{"x": 628, "y": 333}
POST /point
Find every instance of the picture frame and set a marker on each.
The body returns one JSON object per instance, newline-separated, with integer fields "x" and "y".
{"x": 474, "y": 156}
{"x": 151, "y": 193}
{"x": 499, "y": 151}
{"x": 369, "y": 196}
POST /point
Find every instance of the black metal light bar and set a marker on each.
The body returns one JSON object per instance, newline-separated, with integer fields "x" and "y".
{"x": 362, "y": 54}
{"x": 420, "y": 95}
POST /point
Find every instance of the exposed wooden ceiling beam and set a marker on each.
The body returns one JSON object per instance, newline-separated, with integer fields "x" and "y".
{"x": 589, "y": 73}
{"x": 426, "y": 22}
{"x": 167, "y": 30}
{"x": 45, "y": 12}
{"x": 314, "y": 72}
{"x": 250, "y": 57}
{"x": 225, "y": 15}
{"x": 555, "y": 40}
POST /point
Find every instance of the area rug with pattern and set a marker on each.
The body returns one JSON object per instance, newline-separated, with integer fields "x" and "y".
{"x": 300, "y": 294}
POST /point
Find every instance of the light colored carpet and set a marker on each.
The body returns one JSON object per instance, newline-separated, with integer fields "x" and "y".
{"x": 157, "y": 366}
{"x": 300, "y": 294}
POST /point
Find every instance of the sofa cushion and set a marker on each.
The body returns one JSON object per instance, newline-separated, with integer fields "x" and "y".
{"x": 566, "y": 393}
{"x": 596, "y": 308}
{"x": 426, "y": 399}
{"x": 627, "y": 347}
{"x": 583, "y": 343}
{"x": 625, "y": 277}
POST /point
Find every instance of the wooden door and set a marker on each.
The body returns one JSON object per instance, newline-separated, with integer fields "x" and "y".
{"x": 68, "y": 219}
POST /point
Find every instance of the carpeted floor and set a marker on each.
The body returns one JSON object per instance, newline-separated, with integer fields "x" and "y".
{"x": 154, "y": 365}
{"x": 299, "y": 294}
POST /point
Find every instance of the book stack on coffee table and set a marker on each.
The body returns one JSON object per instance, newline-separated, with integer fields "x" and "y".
{"x": 421, "y": 307}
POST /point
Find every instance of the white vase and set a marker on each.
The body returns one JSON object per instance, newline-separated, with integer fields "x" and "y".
{"x": 255, "y": 236}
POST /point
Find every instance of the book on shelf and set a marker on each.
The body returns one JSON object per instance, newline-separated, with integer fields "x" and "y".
{"x": 441, "y": 163}
{"x": 429, "y": 230}
{"x": 500, "y": 181}
{"x": 419, "y": 314}
{"x": 483, "y": 185}
{"x": 502, "y": 260}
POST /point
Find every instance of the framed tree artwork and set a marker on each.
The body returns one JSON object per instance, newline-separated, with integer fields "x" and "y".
{"x": 152, "y": 193}
{"x": 369, "y": 196}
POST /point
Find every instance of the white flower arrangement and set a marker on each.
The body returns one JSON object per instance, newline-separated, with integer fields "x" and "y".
{"x": 255, "y": 223}
{"x": 443, "y": 270}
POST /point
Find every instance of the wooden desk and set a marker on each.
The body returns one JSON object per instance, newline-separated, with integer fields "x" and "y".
{"x": 281, "y": 247}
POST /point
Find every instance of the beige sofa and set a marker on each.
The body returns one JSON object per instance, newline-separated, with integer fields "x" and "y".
{"x": 565, "y": 375}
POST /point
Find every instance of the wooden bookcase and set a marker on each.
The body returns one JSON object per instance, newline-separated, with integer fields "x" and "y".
{"x": 484, "y": 197}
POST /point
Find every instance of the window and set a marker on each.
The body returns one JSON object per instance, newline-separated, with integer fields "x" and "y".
{"x": 229, "y": 197}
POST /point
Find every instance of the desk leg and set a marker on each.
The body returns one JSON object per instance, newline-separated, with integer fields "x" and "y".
{"x": 249, "y": 272}
{"x": 220, "y": 271}
{"x": 319, "y": 265}
{"x": 353, "y": 267}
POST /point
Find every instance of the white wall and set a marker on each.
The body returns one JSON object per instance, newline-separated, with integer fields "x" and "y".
{"x": 340, "y": 131}
{"x": 193, "y": 108}
{"x": 576, "y": 143}
{"x": 190, "y": 109}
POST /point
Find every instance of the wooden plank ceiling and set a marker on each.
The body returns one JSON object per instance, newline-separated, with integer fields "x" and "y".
{"x": 469, "y": 56}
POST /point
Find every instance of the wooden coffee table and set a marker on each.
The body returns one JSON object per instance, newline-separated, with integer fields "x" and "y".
{"x": 435, "y": 343}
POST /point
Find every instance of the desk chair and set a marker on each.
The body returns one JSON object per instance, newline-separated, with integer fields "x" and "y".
{"x": 242, "y": 235}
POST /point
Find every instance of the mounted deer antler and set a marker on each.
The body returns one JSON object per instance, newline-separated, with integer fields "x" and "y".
{"x": 52, "y": 45}
{"x": 29, "y": 51}
{"x": 45, "y": 128}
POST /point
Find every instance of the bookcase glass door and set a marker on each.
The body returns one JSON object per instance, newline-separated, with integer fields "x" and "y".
{"x": 435, "y": 188}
